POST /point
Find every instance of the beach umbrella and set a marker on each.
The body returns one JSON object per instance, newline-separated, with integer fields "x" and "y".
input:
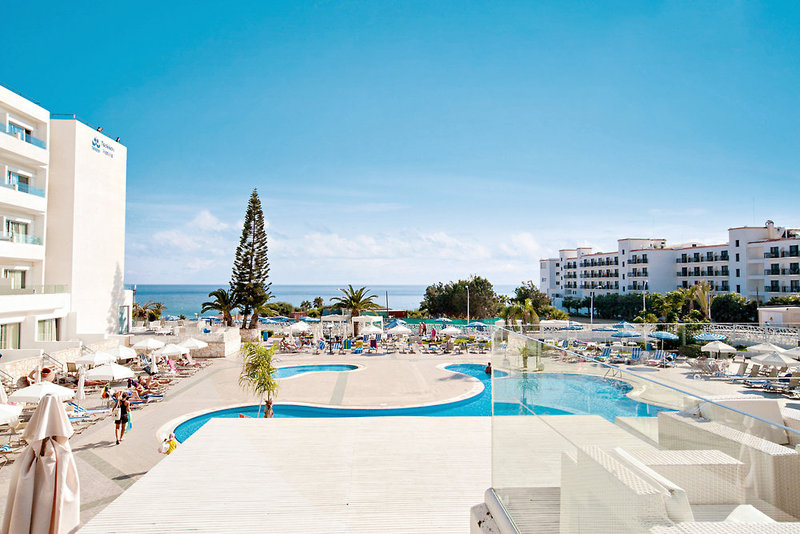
{"x": 625, "y": 334}
{"x": 173, "y": 350}
{"x": 121, "y": 352}
{"x": 604, "y": 329}
{"x": 709, "y": 336}
{"x": 663, "y": 335}
{"x": 717, "y": 347}
{"x": 450, "y": 331}
{"x": 476, "y": 324}
{"x": 765, "y": 347}
{"x": 399, "y": 330}
{"x": 624, "y": 325}
{"x": 775, "y": 359}
{"x": 794, "y": 353}
{"x": 35, "y": 392}
{"x": 573, "y": 327}
{"x": 96, "y": 358}
{"x": 311, "y": 320}
{"x": 300, "y": 326}
{"x": 371, "y": 329}
{"x": 44, "y": 491}
{"x": 281, "y": 319}
{"x": 148, "y": 344}
{"x": 9, "y": 412}
{"x": 193, "y": 344}
{"x": 109, "y": 372}
{"x": 443, "y": 320}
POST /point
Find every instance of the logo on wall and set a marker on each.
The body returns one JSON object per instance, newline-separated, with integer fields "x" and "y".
{"x": 100, "y": 146}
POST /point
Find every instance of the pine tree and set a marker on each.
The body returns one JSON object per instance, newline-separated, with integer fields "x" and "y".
{"x": 250, "y": 267}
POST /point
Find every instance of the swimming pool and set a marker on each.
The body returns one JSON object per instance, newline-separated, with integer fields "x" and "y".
{"x": 286, "y": 372}
{"x": 544, "y": 394}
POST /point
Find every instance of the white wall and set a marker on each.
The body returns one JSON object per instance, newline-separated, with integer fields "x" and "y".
{"x": 86, "y": 223}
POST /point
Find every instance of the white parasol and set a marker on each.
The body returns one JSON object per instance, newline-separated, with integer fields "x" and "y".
{"x": 148, "y": 344}
{"x": 44, "y": 493}
{"x": 775, "y": 359}
{"x": 3, "y": 396}
{"x": 765, "y": 347}
{"x": 300, "y": 326}
{"x": 121, "y": 352}
{"x": 96, "y": 358}
{"x": 193, "y": 344}
{"x": 80, "y": 394}
{"x": 450, "y": 331}
{"x": 109, "y": 372}
{"x": 718, "y": 347}
{"x": 399, "y": 330}
{"x": 370, "y": 329}
{"x": 173, "y": 350}
{"x": 35, "y": 392}
{"x": 9, "y": 412}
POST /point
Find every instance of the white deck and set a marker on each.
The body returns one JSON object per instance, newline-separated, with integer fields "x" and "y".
{"x": 387, "y": 474}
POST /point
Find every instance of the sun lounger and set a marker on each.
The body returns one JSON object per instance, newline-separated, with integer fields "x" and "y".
{"x": 761, "y": 382}
{"x": 659, "y": 359}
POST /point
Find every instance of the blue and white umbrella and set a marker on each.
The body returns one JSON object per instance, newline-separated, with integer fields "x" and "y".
{"x": 624, "y": 325}
{"x": 311, "y": 319}
{"x": 709, "y": 336}
{"x": 669, "y": 336}
{"x": 573, "y": 327}
{"x": 444, "y": 320}
{"x": 604, "y": 329}
{"x": 625, "y": 333}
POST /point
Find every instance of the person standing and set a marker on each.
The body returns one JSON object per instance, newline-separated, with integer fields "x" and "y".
{"x": 122, "y": 408}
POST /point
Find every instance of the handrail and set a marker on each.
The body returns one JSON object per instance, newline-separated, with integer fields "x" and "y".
{"x": 6, "y": 375}
{"x": 623, "y": 370}
{"x": 56, "y": 363}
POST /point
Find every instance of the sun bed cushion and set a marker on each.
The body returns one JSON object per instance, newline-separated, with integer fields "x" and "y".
{"x": 767, "y": 409}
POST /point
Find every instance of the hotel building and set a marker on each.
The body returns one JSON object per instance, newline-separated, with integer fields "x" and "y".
{"x": 62, "y": 239}
{"x": 756, "y": 262}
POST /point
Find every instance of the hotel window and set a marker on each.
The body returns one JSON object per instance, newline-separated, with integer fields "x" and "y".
{"x": 18, "y": 181}
{"x": 737, "y": 242}
{"x": 46, "y": 330}
{"x": 737, "y": 256}
{"x": 9, "y": 336}
{"x": 16, "y": 229}
{"x": 17, "y": 278}
{"x": 737, "y": 273}
{"x": 738, "y": 288}
{"x": 19, "y": 131}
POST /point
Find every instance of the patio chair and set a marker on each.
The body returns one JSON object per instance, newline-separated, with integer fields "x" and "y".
{"x": 658, "y": 359}
{"x": 606, "y": 354}
{"x": 761, "y": 382}
{"x": 636, "y": 356}
{"x": 336, "y": 347}
{"x": 359, "y": 348}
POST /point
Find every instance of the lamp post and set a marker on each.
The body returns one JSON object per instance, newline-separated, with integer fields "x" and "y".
{"x": 591, "y": 308}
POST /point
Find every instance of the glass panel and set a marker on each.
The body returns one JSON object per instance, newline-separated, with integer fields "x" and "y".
{"x": 596, "y": 431}
{"x": 17, "y": 278}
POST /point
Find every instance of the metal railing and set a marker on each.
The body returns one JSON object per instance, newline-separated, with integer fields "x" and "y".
{"x": 55, "y": 363}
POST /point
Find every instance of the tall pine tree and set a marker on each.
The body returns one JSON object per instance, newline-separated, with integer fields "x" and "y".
{"x": 250, "y": 267}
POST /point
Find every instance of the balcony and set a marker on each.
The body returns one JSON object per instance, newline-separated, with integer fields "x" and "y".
{"x": 35, "y": 290}
{"x": 22, "y": 238}
{"x": 771, "y": 254}
{"x": 22, "y": 136}
{"x": 636, "y": 261}
{"x": 24, "y": 188}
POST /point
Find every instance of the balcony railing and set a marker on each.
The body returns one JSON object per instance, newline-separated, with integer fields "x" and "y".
{"x": 771, "y": 254}
{"x": 24, "y": 137}
{"x": 22, "y": 238}
{"x": 25, "y": 188}
{"x": 35, "y": 290}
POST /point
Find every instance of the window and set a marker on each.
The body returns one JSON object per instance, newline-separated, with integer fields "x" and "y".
{"x": 17, "y": 230}
{"x": 737, "y": 273}
{"x": 17, "y": 278}
{"x": 19, "y": 131}
{"x": 46, "y": 330}
{"x": 737, "y": 256}
{"x": 9, "y": 336}
{"x": 738, "y": 288}
{"x": 737, "y": 242}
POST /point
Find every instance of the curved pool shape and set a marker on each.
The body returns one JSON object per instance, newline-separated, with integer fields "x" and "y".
{"x": 286, "y": 372}
{"x": 602, "y": 396}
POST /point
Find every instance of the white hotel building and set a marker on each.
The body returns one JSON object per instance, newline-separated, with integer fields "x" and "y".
{"x": 62, "y": 232}
{"x": 756, "y": 262}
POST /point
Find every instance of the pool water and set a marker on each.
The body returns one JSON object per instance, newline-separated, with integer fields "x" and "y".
{"x": 286, "y": 372}
{"x": 544, "y": 394}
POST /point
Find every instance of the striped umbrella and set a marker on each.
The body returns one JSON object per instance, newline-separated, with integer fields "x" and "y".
{"x": 625, "y": 333}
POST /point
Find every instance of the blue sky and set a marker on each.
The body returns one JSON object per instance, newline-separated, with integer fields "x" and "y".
{"x": 411, "y": 142}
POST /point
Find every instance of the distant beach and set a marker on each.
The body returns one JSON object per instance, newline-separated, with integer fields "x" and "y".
{"x": 187, "y": 299}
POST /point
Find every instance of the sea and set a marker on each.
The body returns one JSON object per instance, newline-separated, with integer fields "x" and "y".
{"x": 188, "y": 299}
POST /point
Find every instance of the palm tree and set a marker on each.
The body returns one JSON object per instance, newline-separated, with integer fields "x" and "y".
{"x": 356, "y": 301}
{"x": 524, "y": 311}
{"x": 257, "y": 374}
{"x": 701, "y": 294}
{"x": 224, "y": 302}
{"x": 260, "y": 307}
{"x": 150, "y": 310}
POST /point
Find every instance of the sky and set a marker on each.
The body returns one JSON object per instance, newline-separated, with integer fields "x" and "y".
{"x": 415, "y": 142}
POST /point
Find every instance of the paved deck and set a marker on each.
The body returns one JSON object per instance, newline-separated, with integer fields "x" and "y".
{"x": 382, "y": 474}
